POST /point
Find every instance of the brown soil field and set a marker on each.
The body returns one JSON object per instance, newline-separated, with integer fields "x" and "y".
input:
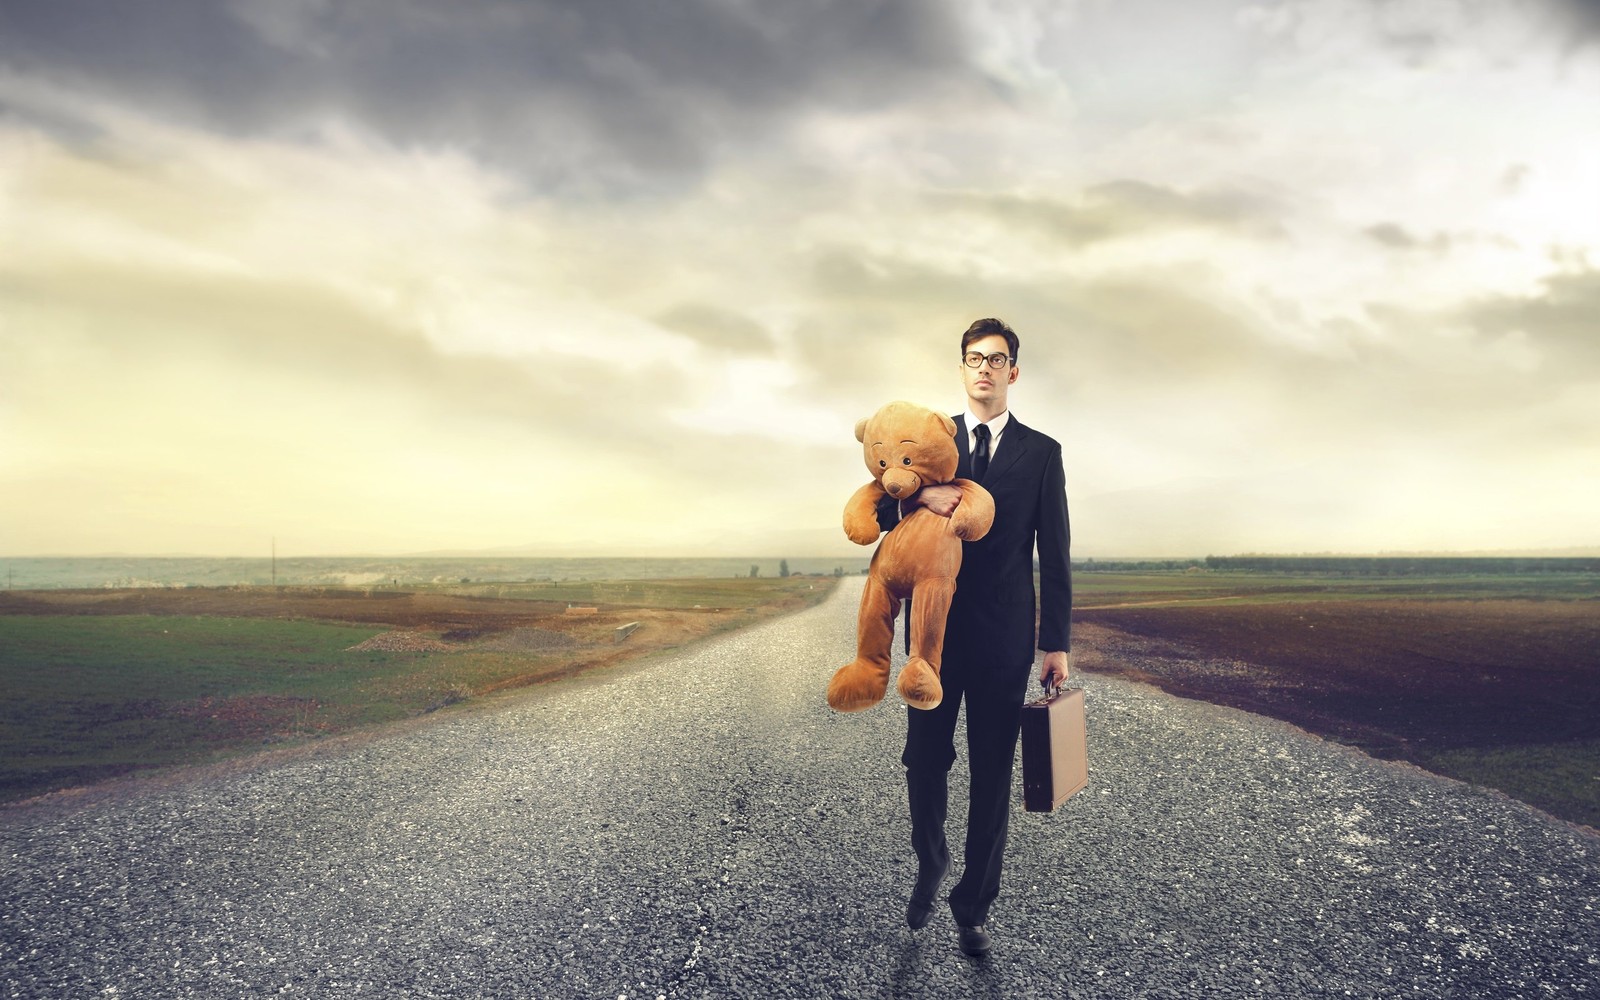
{"x": 1393, "y": 676}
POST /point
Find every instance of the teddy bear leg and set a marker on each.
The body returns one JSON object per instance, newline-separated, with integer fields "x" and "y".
{"x": 919, "y": 678}
{"x": 861, "y": 683}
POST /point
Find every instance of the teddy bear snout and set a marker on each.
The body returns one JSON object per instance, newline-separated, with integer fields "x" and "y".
{"x": 901, "y": 483}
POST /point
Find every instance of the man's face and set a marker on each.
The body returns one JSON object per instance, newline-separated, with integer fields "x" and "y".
{"x": 984, "y": 384}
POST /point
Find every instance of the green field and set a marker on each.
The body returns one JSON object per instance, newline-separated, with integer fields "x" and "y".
{"x": 90, "y": 698}
{"x": 199, "y": 674}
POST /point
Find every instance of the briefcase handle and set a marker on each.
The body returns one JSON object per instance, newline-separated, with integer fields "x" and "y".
{"x": 1050, "y": 693}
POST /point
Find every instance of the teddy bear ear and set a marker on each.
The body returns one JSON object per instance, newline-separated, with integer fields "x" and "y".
{"x": 861, "y": 430}
{"x": 948, "y": 424}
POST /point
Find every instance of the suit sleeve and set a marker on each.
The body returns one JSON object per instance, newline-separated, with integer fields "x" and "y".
{"x": 1055, "y": 558}
{"x": 888, "y": 513}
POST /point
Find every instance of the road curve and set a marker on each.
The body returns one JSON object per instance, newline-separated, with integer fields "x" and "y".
{"x": 703, "y": 826}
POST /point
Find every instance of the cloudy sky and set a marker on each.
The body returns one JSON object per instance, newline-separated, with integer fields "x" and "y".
{"x": 619, "y": 276}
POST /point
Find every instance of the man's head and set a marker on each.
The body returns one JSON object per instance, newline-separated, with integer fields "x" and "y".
{"x": 988, "y": 328}
{"x": 990, "y": 343}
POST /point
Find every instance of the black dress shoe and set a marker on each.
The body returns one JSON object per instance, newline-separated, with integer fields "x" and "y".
{"x": 922, "y": 896}
{"x": 917, "y": 913}
{"x": 974, "y": 941}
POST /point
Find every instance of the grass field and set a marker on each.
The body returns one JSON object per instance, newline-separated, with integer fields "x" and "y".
{"x": 106, "y": 682}
{"x": 1494, "y": 679}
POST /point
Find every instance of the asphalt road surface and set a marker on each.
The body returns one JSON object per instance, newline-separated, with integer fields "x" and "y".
{"x": 703, "y": 826}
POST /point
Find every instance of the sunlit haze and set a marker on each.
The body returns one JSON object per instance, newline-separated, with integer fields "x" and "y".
{"x": 620, "y": 277}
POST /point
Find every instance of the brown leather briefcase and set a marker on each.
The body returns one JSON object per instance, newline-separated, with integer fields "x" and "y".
{"x": 1055, "y": 750}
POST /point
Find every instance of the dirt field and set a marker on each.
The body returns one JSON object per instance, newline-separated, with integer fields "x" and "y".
{"x": 1384, "y": 673}
{"x": 1426, "y": 681}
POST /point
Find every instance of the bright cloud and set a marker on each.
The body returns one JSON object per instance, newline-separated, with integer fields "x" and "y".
{"x": 1295, "y": 277}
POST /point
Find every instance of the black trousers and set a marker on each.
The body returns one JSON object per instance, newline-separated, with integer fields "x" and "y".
{"x": 994, "y": 697}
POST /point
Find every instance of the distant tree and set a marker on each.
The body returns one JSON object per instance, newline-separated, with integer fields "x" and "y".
{"x": 838, "y": 571}
{"x": 783, "y": 567}
{"x": 755, "y": 571}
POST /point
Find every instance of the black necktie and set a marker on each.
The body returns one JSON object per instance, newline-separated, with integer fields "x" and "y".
{"x": 980, "y": 455}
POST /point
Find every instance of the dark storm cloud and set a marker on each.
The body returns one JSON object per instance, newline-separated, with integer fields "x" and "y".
{"x": 1582, "y": 18}
{"x": 1421, "y": 32}
{"x": 1130, "y": 208}
{"x": 600, "y": 92}
{"x": 1420, "y": 35}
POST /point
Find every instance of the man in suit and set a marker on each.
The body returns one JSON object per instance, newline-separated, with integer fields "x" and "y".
{"x": 989, "y": 632}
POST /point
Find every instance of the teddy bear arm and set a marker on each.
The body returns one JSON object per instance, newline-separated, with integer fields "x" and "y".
{"x": 861, "y": 514}
{"x": 974, "y": 514}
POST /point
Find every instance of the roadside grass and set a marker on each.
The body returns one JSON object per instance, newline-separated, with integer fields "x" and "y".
{"x": 93, "y": 696}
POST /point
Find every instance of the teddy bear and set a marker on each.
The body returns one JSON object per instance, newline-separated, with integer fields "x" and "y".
{"x": 906, "y": 447}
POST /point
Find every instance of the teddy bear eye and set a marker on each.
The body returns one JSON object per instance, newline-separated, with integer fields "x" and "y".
{"x": 882, "y": 464}
{"x": 906, "y": 460}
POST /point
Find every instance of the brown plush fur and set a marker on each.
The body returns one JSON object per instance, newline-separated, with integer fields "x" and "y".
{"x": 906, "y": 447}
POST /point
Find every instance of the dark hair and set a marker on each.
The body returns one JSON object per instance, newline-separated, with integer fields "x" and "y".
{"x": 987, "y": 328}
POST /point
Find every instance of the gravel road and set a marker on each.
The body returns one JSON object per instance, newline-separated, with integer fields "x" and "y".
{"x": 703, "y": 826}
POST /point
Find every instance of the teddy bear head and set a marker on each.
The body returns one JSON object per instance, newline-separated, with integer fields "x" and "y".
{"x": 907, "y": 447}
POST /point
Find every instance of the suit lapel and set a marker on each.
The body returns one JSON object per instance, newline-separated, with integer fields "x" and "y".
{"x": 1012, "y": 444}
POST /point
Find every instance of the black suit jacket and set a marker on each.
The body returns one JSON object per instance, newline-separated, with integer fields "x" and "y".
{"x": 991, "y": 618}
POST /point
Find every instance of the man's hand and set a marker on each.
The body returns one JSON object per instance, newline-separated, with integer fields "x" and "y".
{"x": 941, "y": 498}
{"x": 1057, "y": 665}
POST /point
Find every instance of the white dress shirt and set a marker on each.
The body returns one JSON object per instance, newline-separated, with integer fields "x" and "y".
{"x": 997, "y": 426}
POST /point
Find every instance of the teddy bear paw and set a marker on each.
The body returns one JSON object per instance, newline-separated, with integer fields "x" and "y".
{"x": 862, "y": 532}
{"x": 970, "y": 523}
{"x": 919, "y": 684}
{"x": 857, "y": 686}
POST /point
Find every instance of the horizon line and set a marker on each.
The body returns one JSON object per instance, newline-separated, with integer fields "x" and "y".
{"x": 1570, "y": 551}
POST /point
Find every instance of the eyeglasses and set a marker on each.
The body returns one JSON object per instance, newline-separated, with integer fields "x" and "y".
{"x": 996, "y": 361}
